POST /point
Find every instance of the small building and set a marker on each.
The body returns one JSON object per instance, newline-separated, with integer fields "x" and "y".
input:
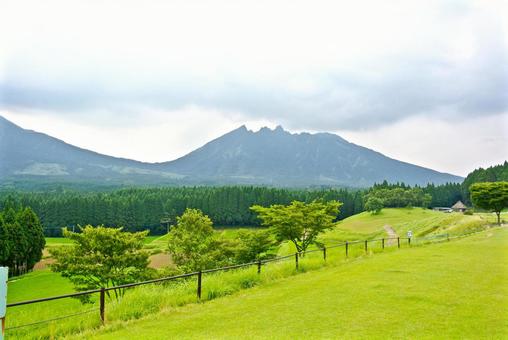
{"x": 443, "y": 209}
{"x": 459, "y": 206}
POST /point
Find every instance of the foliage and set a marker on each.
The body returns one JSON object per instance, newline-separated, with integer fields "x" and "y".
{"x": 193, "y": 244}
{"x": 21, "y": 239}
{"x": 143, "y": 208}
{"x": 491, "y": 196}
{"x": 102, "y": 257}
{"x": 299, "y": 222}
{"x": 399, "y": 197}
{"x": 497, "y": 173}
{"x": 254, "y": 245}
{"x": 374, "y": 205}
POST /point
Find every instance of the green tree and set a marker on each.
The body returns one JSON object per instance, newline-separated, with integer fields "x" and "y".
{"x": 192, "y": 242}
{"x": 5, "y": 244}
{"x": 374, "y": 205}
{"x": 102, "y": 257}
{"x": 253, "y": 245}
{"x": 299, "y": 222}
{"x": 490, "y": 196}
{"x": 32, "y": 228}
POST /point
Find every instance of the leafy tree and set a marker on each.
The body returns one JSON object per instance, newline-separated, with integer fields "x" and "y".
{"x": 102, "y": 257}
{"x": 374, "y": 205}
{"x": 490, "y": 196}
{"x": 299, "y": 222}
{"x": 253, "y": 245}
{"x": 192, "y": 242}
{"x": 496, "y": 173}
{"x": 5, "y": 244}
{"x": 32, "y": 227}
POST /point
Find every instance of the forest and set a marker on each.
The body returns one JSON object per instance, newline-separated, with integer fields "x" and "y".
{"x": 156, "y": 209}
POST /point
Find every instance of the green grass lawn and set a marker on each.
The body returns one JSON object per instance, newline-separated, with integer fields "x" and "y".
{"x": 450, "y": 290}
{"x": 422, "y": 222}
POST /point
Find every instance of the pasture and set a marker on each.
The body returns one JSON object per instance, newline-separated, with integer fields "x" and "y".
{"x": 150, "y": 300}
{"x": 444, "y": 290}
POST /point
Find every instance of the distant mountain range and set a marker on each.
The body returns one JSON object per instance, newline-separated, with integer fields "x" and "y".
{"x": 267, "y": 157}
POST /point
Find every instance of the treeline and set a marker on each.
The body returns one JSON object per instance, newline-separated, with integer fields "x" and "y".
{"x": 497, "y": 173}
{"x": 145, "y": 208}
{"x": 21, "y": 239}
{"x": 444, "y": 195}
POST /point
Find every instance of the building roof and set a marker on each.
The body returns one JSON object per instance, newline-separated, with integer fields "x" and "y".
{"x": 459, "y": 205}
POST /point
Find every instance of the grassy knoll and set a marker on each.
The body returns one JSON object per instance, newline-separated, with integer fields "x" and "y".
{"x": 456, "y": 289}
{"x": 423, "y": 222}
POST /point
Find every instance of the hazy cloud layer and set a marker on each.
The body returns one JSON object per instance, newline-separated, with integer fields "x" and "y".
{"x": 188, "y": 71}
{"x": 316, "y": 66}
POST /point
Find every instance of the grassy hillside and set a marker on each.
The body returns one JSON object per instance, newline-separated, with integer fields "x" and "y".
{"x": 422, "y": 222}
{"x": 445, "y": 290}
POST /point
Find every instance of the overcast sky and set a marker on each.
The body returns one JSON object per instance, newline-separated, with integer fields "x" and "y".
{"x": 421, "y": 81}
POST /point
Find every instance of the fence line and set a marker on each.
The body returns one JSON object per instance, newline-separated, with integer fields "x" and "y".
{"x": 259, "y": 263}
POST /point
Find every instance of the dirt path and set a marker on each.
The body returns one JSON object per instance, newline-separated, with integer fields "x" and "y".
{"x": 392, "y": 235}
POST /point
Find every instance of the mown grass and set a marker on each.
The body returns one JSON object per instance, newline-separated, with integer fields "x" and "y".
{"x": 450, "y": 290}
{"x": 152, "y": 299}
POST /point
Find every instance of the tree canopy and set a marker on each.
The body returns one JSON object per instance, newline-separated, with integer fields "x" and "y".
{"x": 491, "y": 196}
{"x": 102, "y": 257}
{"x": 193, "y": 244}
{"x": 299, "y": 222}
{"x": 21, "y": 239}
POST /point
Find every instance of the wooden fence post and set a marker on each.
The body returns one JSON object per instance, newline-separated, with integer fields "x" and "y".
{"x": 365, "y": 245}
{"x": 259, "y": 266}
{"x": 199, "y": 284}
{"x": 398, "y": 242}
{"x": 347, "y": 244}
{"x": 102, "y": 307}
{"x": 296, "y": 260}
{"x": 383, "y": 243}
{"x": 324, "y": 253}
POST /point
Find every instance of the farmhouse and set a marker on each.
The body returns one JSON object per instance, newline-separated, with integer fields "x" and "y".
{"x": 459, "y": 206}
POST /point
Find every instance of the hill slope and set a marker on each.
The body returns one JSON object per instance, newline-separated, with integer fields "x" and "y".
{"x": 269, "y": 157}
{"x": 422, "y": 292}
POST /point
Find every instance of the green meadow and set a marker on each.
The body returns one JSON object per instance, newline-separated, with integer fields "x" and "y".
{"x": 149, "y": 301}
{"x": 449, "y": 290}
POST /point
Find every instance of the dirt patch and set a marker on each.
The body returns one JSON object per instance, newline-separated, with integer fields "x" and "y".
{"x": 42, "y": 264}
{"x": 392, "y": 235}
{"x": 160, "y": 260}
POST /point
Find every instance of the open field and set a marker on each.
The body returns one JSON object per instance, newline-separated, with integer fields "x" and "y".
{"x": 445, "y": 290}
{"x": 145, "y": 300}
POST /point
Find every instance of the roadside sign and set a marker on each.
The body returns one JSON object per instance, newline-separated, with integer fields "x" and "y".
{"x": 4, "y": 272}
{"x": 409, "y": 234}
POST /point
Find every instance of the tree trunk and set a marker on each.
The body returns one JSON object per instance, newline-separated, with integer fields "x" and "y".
{"x": 498, "y": 213}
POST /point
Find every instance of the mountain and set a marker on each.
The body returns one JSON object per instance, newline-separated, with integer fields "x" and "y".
{"x": 267, "y": 157}
{"x": 30, "y": 155}
{"x": 277, "y": 157}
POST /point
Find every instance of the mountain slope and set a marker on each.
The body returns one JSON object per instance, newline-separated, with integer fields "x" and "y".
{"x": 279, "y": 157}
{"x": 267, "y": 157}
{"x": 30, "y": 154}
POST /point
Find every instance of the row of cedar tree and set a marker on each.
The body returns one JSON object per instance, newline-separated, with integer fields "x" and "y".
{"x": 145, "y": 208}
{"x": 142, "y": 208}
{"x": 21, "y": 239}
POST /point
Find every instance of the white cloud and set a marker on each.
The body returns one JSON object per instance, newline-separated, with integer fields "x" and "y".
{"x": 152, "y": 80}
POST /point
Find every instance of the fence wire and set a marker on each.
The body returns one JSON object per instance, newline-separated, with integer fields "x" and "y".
{"x": 53, "y": 319}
